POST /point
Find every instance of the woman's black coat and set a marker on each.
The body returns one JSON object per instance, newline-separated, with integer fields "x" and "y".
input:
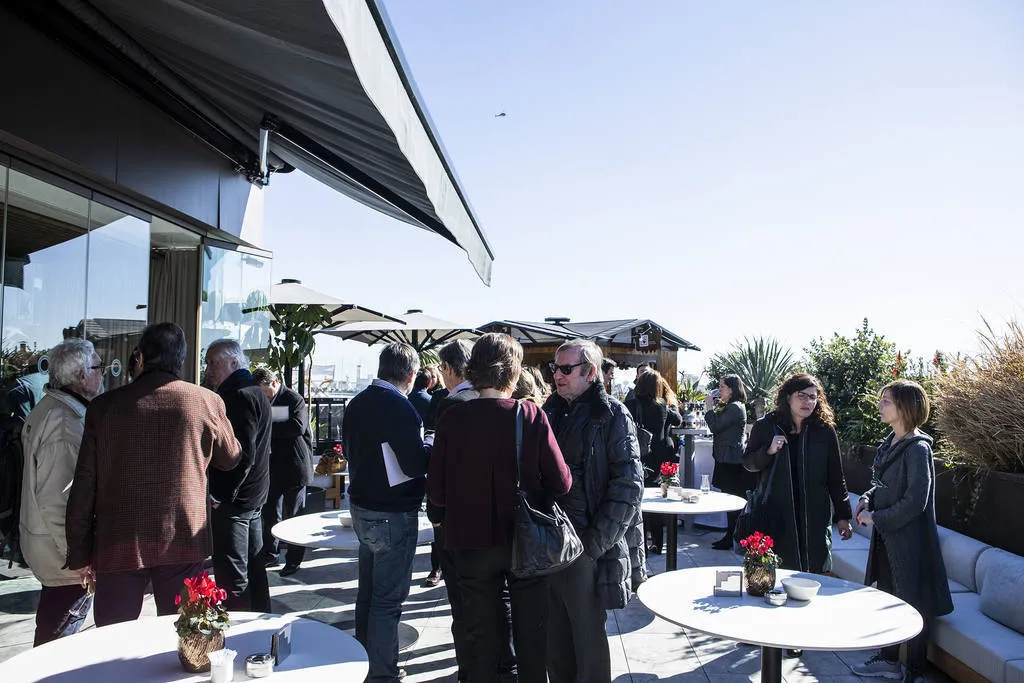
{"x": 657, "y": 418}
{"x": 902, "y": 504}
{"x": 820, "y": 483}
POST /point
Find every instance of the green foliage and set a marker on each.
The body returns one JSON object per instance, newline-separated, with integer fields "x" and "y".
{"x": 852, "y": 371}
{"x": 761, "y": 363}
{"x": 689, "y": 391}
{"x": 292, "y": 340}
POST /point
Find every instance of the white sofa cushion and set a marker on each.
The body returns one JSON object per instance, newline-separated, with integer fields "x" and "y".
{"x": 864, "y": 531}
{"x": 1002, "y": 588}
{"x": 977, "y": 641}
{"x": 850, "y": 564}
{"x": 856, "y": 542}
{"x": 1015, "y": 671}
{"x": 960, "y": 555}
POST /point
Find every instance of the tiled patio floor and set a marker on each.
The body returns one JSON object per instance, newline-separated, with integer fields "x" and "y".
{"x": 643, "y": 647}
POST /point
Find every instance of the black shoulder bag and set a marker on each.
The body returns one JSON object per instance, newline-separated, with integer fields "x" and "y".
{"x": 643, "y": 435}
{"x": 757, "y": 515}
{"x": 543, "y": 542}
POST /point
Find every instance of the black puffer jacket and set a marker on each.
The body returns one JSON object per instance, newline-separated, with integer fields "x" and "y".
{"x": 598, "y": 441}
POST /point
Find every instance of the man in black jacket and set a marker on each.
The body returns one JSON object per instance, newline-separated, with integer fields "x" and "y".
{"x": 291, "y": 466}
{"x": 381, "y": 438}
{"x": 598, "y": 441}
{"x": 239, "y": 494}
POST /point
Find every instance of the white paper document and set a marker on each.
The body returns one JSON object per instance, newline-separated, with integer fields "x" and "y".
{"x": 279, "y": 413}
{"x": 395, "y": 474}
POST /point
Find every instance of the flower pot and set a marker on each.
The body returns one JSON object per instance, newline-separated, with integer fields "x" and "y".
{"x": 664, "y": 490}
{"x": 760, "y": 578}
{"x": 193, "y": 648}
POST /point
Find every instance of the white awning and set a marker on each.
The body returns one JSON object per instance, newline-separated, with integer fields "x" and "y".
{"x": 330, "y": 78}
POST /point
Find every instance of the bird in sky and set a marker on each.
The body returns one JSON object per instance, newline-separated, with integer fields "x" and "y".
{"x": 498, "y": 116}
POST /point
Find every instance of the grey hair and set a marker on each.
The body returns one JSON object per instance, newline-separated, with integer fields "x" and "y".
{"x": 456, "y": 355}
{"x": 590, "y": 355}
{"x": 231, "y": 349}
{"x": 397, "y": 362}
{"x": 67, "y": 359}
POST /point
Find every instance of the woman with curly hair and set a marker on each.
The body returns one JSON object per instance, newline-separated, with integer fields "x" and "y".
{"x": 796, "y": 449}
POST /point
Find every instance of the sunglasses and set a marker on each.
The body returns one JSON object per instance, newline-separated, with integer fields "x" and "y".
{"x": 564, "y": 369}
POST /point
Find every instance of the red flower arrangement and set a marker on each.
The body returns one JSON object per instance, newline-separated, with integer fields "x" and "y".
{"x": 201, "y": 608}
{"x": 759, "y": 549}
{"x": 337, "y": 449}
{"x": 670, "y": 473}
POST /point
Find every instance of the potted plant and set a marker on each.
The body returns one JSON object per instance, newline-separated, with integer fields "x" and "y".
{"x": 669, "y": 476}
{"x": 201, "y": 622}
{"x": 979, "y": 402}
{"x": 759, "y": 563}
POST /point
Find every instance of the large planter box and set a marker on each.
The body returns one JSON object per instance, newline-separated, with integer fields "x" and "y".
{"x": 986, "y": 507}
{"x": 857, "y": 467}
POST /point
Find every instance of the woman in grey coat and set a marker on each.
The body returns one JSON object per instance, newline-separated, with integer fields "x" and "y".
{"x": 905, "y": 558}
{"x": 727, "y": 420}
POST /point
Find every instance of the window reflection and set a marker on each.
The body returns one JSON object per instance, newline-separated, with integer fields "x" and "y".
{"x": 44, "y": 274}
{"x": 236, "y": 290}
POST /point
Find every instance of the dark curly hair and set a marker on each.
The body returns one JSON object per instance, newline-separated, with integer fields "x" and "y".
{"x": 822, "y": 414}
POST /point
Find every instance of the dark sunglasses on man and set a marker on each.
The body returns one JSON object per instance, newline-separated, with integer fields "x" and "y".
{"x": 564, "y": 369}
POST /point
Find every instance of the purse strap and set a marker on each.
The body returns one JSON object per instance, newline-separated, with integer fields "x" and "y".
{"x": 519, "y": 443}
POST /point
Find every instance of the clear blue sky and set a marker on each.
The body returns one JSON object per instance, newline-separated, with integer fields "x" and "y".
{"x": 726, "y": 169}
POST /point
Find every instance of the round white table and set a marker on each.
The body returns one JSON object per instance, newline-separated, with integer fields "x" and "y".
{"x": 146, "y": 650}
{"x": 843, "y": 616}
{"x": 713, "y": 501}
{"x": 324, "y": 530}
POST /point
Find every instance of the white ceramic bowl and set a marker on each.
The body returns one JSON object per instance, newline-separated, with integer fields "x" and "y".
{"x": 345, "y": 517}
{"x": 800, "y": 589}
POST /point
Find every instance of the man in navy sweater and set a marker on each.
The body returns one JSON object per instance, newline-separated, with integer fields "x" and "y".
{"x": 387, "y": 464}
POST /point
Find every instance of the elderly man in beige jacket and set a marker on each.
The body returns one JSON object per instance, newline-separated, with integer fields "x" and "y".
{"x": 50, "y": 438}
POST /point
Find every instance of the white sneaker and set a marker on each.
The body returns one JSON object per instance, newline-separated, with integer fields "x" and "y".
{"x": 879, "y": 667}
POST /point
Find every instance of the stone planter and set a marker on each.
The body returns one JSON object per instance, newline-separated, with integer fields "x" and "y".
{"x": 983, "y": 506}
{"x": 760, "y": 578}
{"x": 193, "y": 648}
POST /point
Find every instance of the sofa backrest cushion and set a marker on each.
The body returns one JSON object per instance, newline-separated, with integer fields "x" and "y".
{"x": 1001, "y": 579}
{"x": 960, "y": 554}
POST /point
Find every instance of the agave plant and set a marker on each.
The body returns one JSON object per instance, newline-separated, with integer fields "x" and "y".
{"x": 761, "y": 363}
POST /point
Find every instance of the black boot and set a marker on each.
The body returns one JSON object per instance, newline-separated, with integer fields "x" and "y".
{"x": 724, "y": 543}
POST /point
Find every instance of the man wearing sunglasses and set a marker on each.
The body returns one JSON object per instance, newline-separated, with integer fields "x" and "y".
{"x": 598, "y": 441}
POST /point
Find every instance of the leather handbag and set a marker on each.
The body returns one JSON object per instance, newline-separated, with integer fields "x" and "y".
{"x": 643, "y": 435}
{"x": 757, "y": 515}
{"x": 72, "y": 620}
{"x": 543, "y": 541}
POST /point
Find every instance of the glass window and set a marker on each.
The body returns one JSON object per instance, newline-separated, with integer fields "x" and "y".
{"x": 236, "y": 287}
{"x": 117, "y": 293}
{"x": 44, "y": 277}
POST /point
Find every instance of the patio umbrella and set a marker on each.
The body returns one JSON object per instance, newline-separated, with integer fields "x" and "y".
{"x": 291, "y": 292}
{"x": 417, "y": 329}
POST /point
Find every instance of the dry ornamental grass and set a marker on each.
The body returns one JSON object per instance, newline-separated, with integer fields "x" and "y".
{"x": 980, "y": 404}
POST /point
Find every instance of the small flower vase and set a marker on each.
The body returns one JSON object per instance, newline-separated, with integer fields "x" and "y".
{"x": 193, "y": 648}
{"x": 664, "y": 490}
{"x": 760, "y": 578}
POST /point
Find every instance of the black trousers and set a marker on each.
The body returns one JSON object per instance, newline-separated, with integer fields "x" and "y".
{"x": 655, "y": 524}
{"x": 237, "y": 542}
{"x": 54, "y": 602}
{"x": 917, "y": 647}
{"x": 483, "y": 575}
{"x": 446, "y": 561}
{"x": 577, "y": 640}
{"x": 283, "y": 504}
{"x": 119, "y": 594}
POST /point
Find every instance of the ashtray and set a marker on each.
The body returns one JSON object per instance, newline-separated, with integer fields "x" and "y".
{"x": 259, "y": 665}
{"x": 776, "y": 597}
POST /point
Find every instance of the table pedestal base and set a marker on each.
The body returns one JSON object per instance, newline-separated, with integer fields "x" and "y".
{"x": 407, "y": 635}
{"x": 771, "y": 665}
{"x": 672, "y": 545}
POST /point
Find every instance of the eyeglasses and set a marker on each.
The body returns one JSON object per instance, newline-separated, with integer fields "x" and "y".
{"x": 101, "y": 367}
{"x": 564, "y": 369}
{"x": 807, "y": 398}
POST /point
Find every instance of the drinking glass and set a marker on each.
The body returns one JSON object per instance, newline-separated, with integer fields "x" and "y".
{"x": 705, "y": 484}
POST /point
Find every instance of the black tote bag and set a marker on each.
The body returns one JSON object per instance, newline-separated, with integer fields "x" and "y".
{"x": 543, "y": 541}
{"x": 758, "y": 514}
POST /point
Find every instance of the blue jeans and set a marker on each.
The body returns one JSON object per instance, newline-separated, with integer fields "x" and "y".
{"x": 387, "y": 546}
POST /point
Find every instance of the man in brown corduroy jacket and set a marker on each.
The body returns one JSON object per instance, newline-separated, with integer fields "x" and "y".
{"x": 138, "y": 506}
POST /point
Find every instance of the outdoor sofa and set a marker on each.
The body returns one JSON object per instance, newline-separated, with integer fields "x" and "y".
{"x": 983, "y": 638}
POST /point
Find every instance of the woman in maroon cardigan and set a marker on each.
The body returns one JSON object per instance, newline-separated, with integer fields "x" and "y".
{"x": 472, "y": 476}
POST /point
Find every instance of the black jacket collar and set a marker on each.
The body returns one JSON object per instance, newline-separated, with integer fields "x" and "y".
{"x": 595, "y": 398}
{"x": 237, "y": 379}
